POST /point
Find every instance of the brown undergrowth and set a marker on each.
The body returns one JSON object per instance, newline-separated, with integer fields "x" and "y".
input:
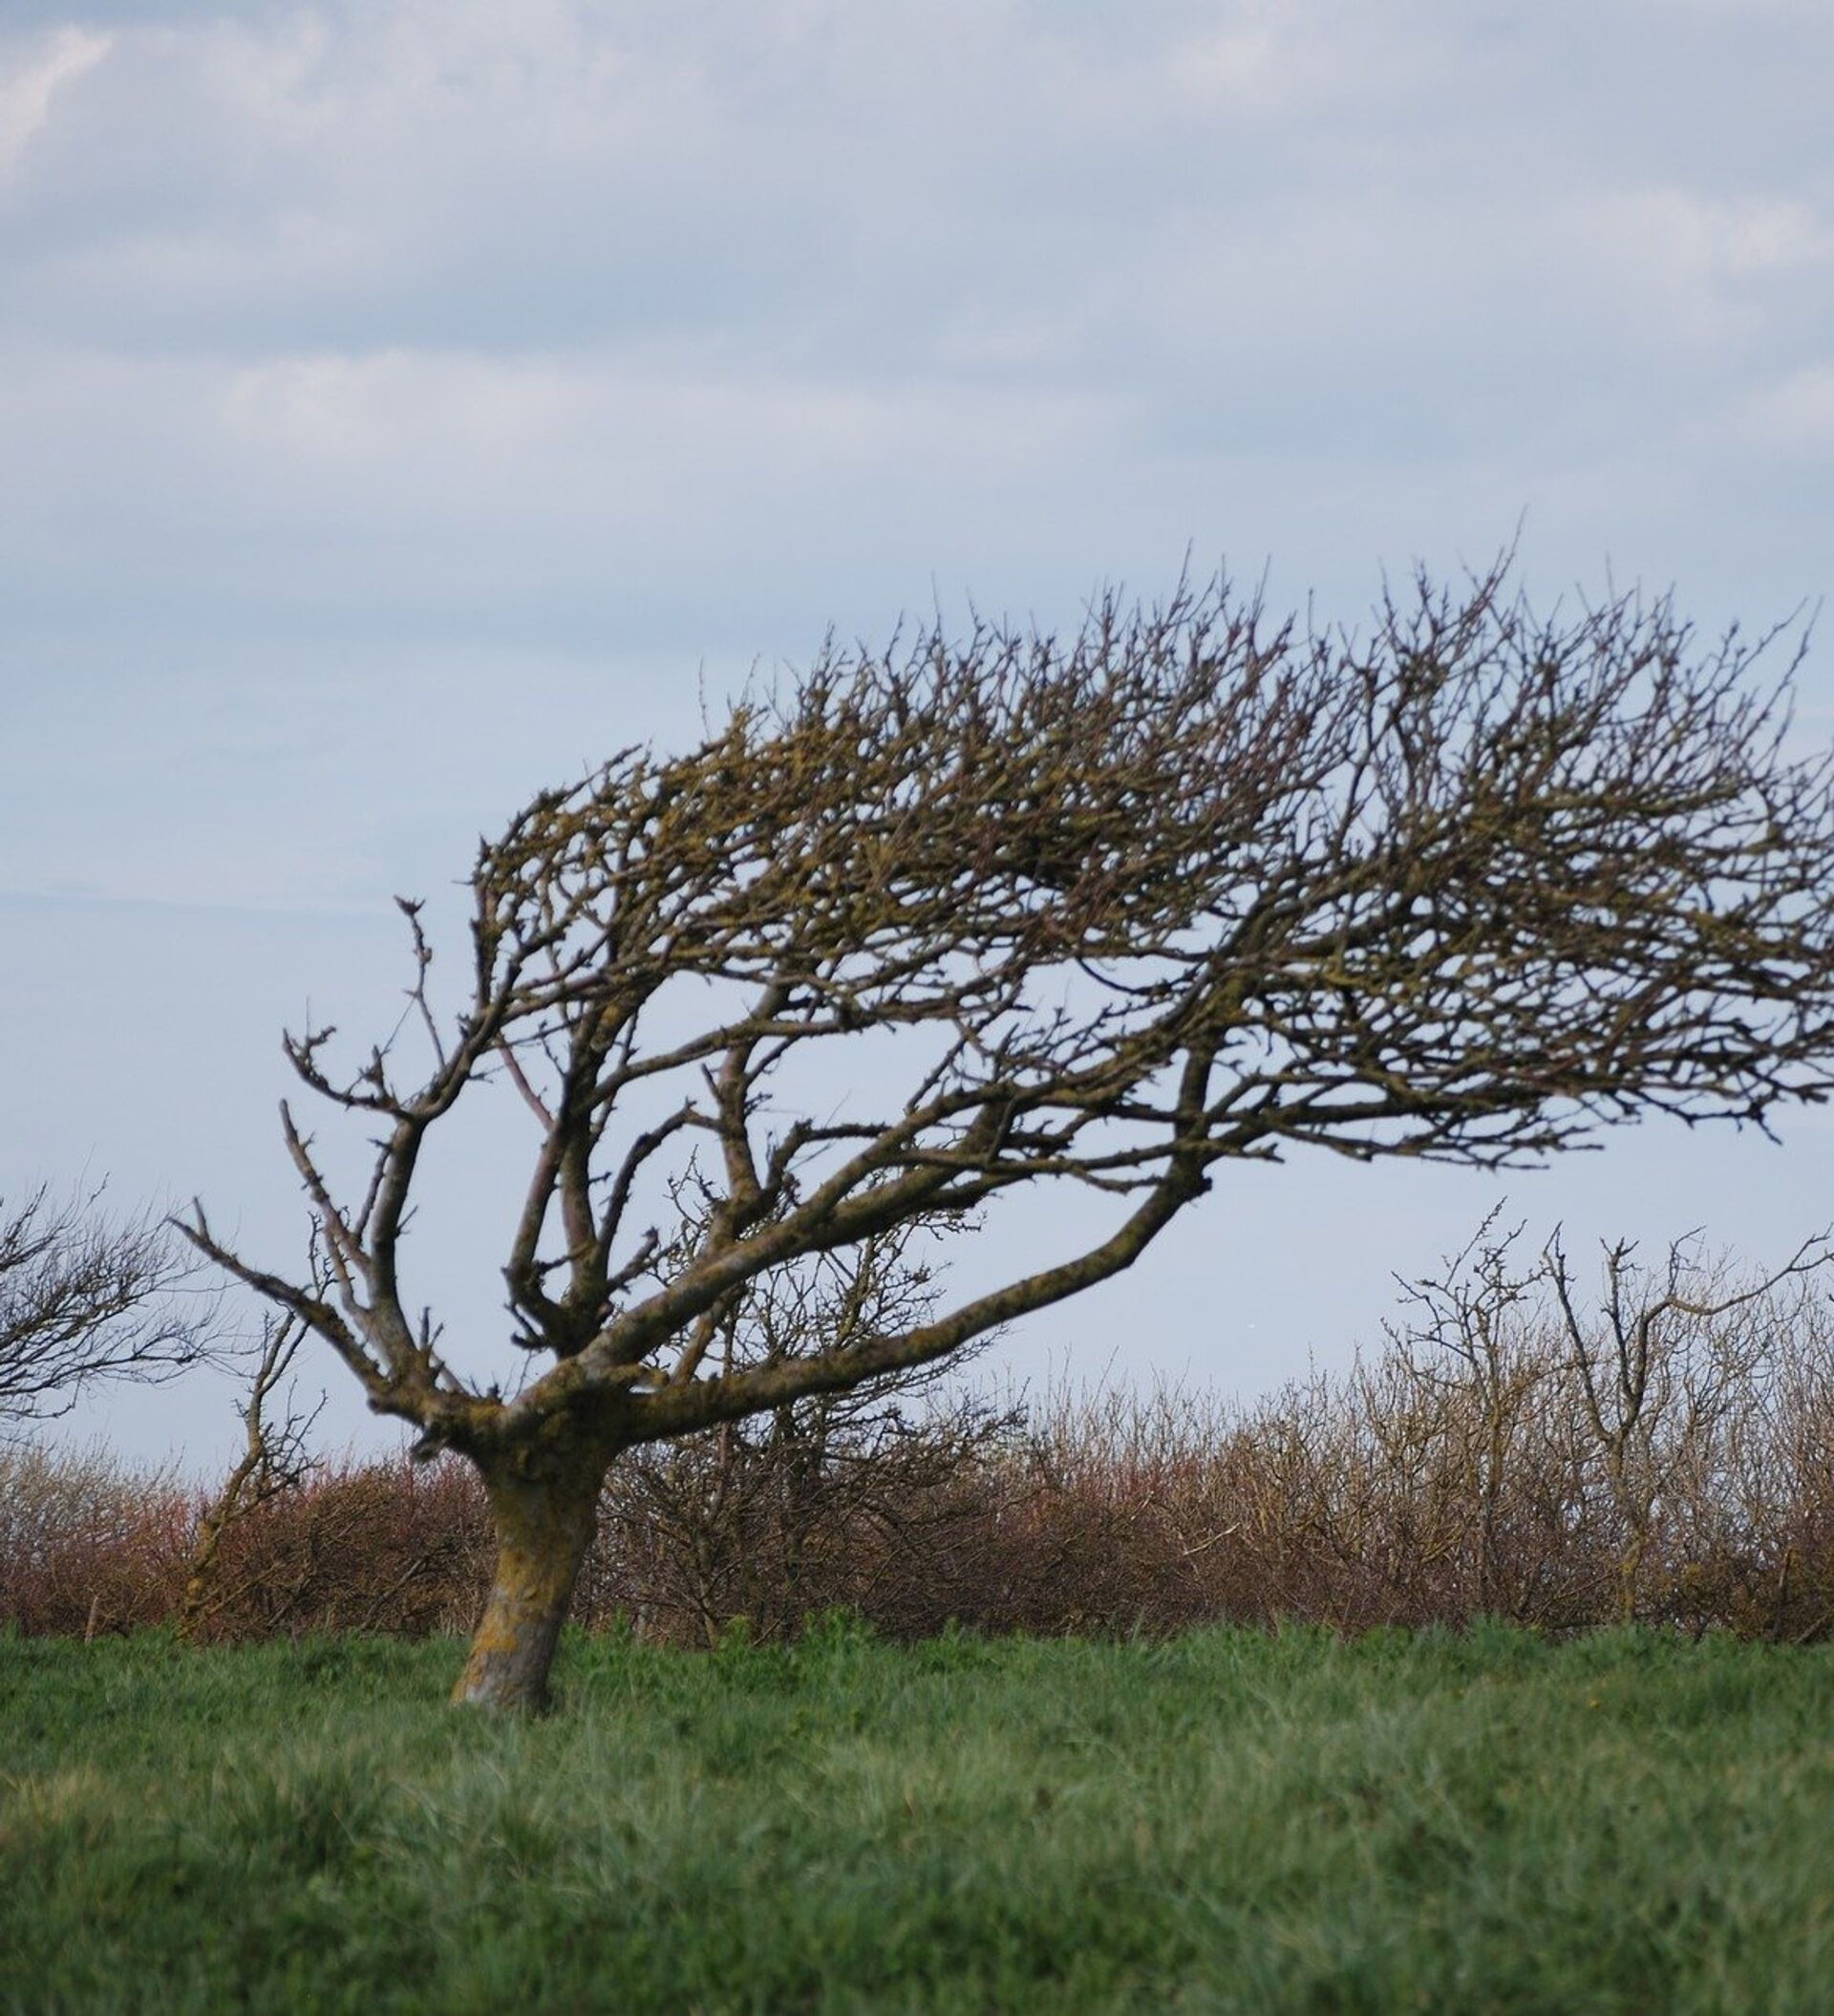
{"x": 1670, "y": 1462}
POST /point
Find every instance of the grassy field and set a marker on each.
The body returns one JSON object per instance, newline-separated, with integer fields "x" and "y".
{"x": 1228, "y": 1822}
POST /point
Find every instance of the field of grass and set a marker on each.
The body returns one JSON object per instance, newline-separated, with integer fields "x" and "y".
{"x": 1227, "y": 1822}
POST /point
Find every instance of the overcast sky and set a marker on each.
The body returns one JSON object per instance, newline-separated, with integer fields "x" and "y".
{"x": 402, "y": 403}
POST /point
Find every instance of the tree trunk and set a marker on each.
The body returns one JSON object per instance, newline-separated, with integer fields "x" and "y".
{"x": 544, "y": 1507}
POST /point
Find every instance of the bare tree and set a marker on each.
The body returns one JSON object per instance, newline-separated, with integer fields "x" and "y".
{"x": 1188, "y": 888}
{"x": 748, "y": 1518}
{"x": 83, "y": 1298}
{"x": 1470, "y": 1338}
{"x": 1657, "y": 1368}
{"x": 273, "y": 1461}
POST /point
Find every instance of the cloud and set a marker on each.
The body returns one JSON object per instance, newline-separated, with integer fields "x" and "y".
{"x": 1793, "y": 416}
{"x": 402, "y": 402}
{"x": 360, "y": 313}
{"x": 27, "y": 92}
{"x": 1692, "y": 239}
{"x": 440, "y": 418}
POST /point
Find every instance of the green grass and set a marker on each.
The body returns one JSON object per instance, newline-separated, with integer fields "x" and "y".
{"x": 1230, "y": 1822}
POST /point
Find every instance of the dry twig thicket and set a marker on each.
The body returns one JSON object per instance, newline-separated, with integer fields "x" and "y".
{"x": 940, "y": 922}
{"x": 1473, "y": 1467}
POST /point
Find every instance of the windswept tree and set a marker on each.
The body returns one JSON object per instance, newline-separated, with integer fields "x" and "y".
{"x": 935, "y": 923}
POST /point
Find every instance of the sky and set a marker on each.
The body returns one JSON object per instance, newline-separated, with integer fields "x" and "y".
{"x": 403, "y": 404}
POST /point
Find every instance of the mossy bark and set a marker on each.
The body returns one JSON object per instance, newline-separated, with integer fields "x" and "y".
{"x": 544, "y": 1506}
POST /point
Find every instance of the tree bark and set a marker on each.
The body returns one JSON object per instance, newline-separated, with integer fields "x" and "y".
{"x": 544, "y": 1507}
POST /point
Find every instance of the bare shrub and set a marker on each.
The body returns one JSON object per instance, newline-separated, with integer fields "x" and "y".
{"x": 361, "y": 1546}
{"x": 88, "y": 1543}
{"x": 843, "y": 1501}
{"x": 820, "y": 1502}
{"x": 1663, "y": 1452}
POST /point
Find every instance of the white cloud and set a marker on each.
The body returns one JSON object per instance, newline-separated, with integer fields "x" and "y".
{"x": 400, "y": 400}
{"x": 586, "y": 445}
{"x": 1793, "y": 415}
{"x": 479, "y": 286}
{"x": 28, "y": 90}
{"x": 1694, "y": 237}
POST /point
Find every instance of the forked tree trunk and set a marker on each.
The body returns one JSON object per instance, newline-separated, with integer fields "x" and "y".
{"x": 544, "y": 1507}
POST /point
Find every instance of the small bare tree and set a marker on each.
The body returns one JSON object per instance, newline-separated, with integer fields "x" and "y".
{"x": 1472, "y": 1336}
{"x": 1628, "y": 1400}
{"x": 85, "y": 1299}
{"x": 950, "y": 920}
{"x": 748, "y": 1518}
{"x": 275, "y": 1460}
{"x": 1657, "y": 1368}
